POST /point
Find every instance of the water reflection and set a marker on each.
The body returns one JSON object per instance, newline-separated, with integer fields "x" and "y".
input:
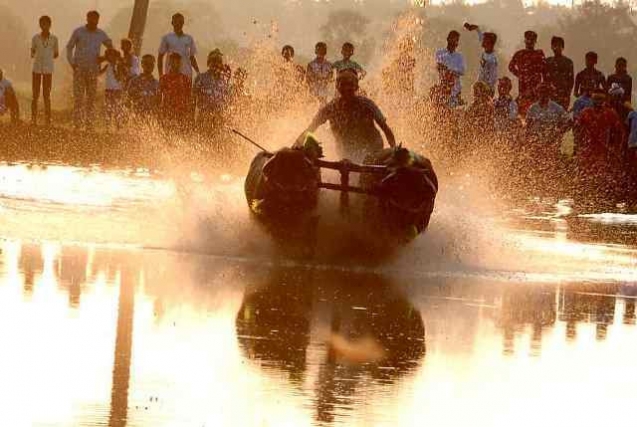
{"x": 588, "y": 303}
{"x": 118, "y": 414}
{"x": 31, "y": 264}
{"x": 147, "y": 338}
{"x": 522, "y": 306}
{"x": 362, "y": 328}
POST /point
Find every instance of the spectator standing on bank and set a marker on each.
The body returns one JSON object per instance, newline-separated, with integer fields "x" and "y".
{"x": 319, "y": 74}
{"x": 488, "y": 60}
{"x": 347, "y": 51}
{"x": 83, "y": 53}
{"x": 590, "y": 76}
{"x": 175, "y": 88}
{"x": 211, "y": 93}
{"x": 180, "y": 43}
{"x": 44, "y": 50}
{"x": 505, "y": 107}
{"x": 116, "y": 75}
{"x": 449, "y": 59}
{"x": 560, "y": 74}
{"x": 129, "y": 59}
{"x": 622, "y": 78}
{"x": 143, "y": 91}
{"x": 528, "y": 66}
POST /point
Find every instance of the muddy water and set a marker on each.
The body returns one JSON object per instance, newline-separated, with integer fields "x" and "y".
{"x": 132, "y": 298}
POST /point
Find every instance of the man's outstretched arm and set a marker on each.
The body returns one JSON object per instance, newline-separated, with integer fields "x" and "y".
{"x": 316, "y": 123}
{"x": 389, "y": 134}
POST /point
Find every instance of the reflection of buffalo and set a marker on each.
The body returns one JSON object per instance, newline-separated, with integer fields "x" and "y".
{"x": 367, "y": 326}
{"x": 273, "y": 323}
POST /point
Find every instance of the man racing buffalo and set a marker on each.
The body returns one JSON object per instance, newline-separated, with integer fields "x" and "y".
{"x": 352, "y": 120}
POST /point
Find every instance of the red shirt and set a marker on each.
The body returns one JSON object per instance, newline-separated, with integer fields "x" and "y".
{"x": 599, "y": 130}
{"x": 528, "y": 66}
{"x": 175, "y": 93}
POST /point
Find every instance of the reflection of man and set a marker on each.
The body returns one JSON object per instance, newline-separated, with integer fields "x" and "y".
{"x": 352, "y": 119}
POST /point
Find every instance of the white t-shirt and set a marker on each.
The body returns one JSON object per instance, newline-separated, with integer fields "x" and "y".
{"x": 454, "y": 61}
{"x": 111, "y": 82}
{"x": 184, "y": 45}
{"x": 632, "y": 122}
{"x": 318, "y": 76}
{"x": 44, "y": 50}
{"x": 488, "y": 66}
{"x": 4, "y": 86}
{"x": 135, "y": 67}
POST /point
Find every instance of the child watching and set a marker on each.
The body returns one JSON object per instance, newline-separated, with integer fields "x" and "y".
{"x": 44, "y": 50}
{"x": 175, "y": 89}
{"x": 114, "y": 87}
{"x": 320, "y": 74}
{"x": 143, "y": 90}
{"x": 347, "y": 64}
{"x": 129, "y": 59}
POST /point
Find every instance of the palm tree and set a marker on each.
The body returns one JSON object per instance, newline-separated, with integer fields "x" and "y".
{"x": 138, "y": 24}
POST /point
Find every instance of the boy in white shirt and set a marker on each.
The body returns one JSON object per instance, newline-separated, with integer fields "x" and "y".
{"x": 449, "y": 59}
{"x": 181, "y": 43}
{"x": 130, "y": 60}
{"x": 116, "y": 74}
{"x": 488, "y": 60}
{"x": 44, "y": 50}
{"x": 320, "y": 73}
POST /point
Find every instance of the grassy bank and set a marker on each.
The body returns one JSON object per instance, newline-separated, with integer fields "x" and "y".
{"x": 150, "y": 147}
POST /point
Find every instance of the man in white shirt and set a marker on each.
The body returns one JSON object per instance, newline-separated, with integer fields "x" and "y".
{"x": 181, "y": 43}
{"x": 488, "y": 72}
{"x": 83, "y": 53}
{"x": 44, "y": 50}
{"x": 448, "y": 59}
{"x": 8, "y": 99}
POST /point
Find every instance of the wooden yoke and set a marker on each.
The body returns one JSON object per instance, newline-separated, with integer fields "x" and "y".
{"x": 345, "y": 167}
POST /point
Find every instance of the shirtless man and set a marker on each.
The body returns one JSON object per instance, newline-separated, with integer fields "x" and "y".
{"x": 352, "y": 119}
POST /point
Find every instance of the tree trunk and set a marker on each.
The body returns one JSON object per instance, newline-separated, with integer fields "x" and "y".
{"x": 138, "y": 24}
